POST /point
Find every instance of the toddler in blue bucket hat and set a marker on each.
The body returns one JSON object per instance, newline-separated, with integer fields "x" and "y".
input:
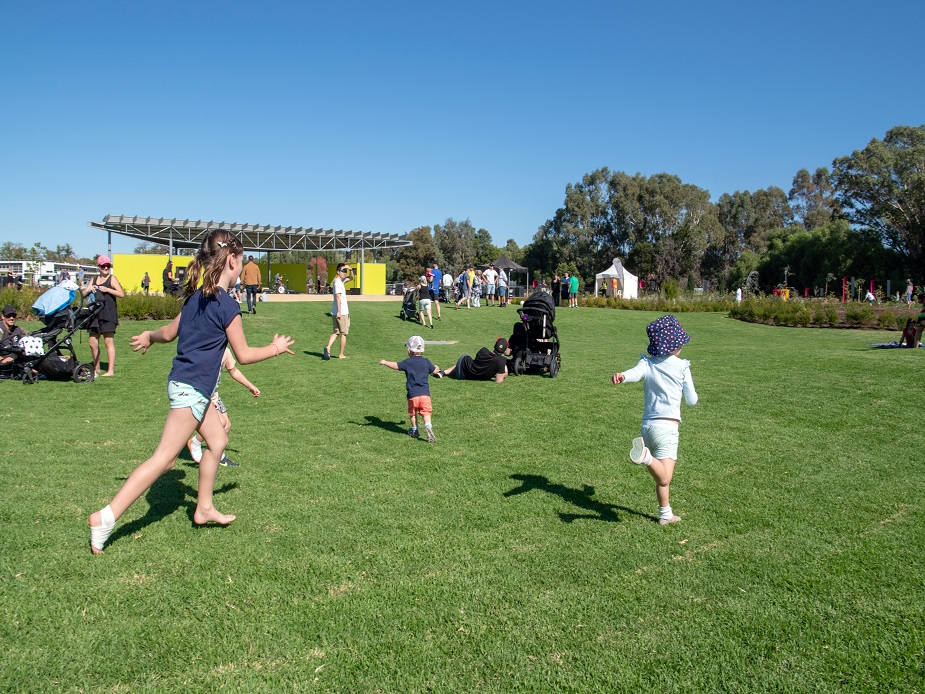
{"x": 667, "y": 378}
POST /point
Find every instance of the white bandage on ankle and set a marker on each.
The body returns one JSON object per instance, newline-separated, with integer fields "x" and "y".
{"x": 108, "y": 517}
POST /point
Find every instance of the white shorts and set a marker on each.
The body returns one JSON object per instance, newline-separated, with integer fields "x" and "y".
{"x": 425, "y": 304}
{"x": 661, "y": 437}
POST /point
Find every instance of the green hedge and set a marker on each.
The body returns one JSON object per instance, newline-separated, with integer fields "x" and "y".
{"x": 816, "y": 313}
{"x": 685, "y": 303}
{"x": 131, "y": 306}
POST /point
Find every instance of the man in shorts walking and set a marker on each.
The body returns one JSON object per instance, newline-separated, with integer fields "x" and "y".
{"x": 340, "y": 313}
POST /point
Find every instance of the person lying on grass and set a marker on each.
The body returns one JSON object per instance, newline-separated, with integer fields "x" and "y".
{"x": 666, "y": 378}
{"x": 486, "y": 366}
{"x": 207, "y": 323}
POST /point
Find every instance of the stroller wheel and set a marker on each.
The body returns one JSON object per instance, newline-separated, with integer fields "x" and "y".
{"x": 83, "y": 373}
{"x": 519, "y": 367}
{"x": 554, "y": 367}
{"x": 29, "y": 376}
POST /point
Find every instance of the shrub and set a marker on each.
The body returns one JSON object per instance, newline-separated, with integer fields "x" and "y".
{"x": 148, "y": 307}
{"x": 859, "y": 315}
{"x": 888, "y": 321}
{"x": 670, "y": 289}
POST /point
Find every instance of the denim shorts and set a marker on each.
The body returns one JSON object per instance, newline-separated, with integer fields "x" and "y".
{"x": 182, "y": 395}
{"x": 661, "y": 438}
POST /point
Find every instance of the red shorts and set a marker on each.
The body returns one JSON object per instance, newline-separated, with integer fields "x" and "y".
{"x": 420, "y": 405}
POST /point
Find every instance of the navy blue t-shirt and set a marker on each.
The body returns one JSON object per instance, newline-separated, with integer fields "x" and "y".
{"x": 201, "y": 339}
{"x": 417, "y": 370}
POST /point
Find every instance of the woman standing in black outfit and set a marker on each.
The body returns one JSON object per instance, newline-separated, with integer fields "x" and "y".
{"x": 106, "y": 289}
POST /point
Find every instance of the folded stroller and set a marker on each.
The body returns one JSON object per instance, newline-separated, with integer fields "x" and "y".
{"x": 535, "y": 340}
{"x": 49, "y": 352}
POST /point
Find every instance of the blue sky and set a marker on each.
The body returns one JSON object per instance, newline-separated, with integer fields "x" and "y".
{"x": 388, "y": 116}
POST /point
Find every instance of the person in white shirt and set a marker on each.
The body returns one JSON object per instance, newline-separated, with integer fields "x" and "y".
{"x": 491, "y": 279}
{"x": 502, "y": 288}
{"x": 667, "y": 378}
{"x": 340, "y": 313}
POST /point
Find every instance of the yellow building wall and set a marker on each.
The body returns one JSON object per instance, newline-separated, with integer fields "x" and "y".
{"x": 374, "y": 283}
{"x": 130, "y": 269}
{"x": 294, "y": 275}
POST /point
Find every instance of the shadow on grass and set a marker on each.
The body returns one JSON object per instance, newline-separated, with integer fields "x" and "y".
{"x": 168, "y": 494}
{"x": 373, "y": 421}
{"x": 582, "y": 498}
{"x": 308, "y": 353}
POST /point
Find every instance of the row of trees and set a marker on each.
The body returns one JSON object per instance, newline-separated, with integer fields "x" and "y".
{"x": 863, "y": 218}
{"x": 10, "y": 250}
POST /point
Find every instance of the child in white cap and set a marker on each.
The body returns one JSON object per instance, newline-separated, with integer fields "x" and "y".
{"x": 667, "y": 378}
{"x": 417, "y": 368}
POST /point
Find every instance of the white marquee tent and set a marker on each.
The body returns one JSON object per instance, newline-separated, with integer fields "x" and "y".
{"x": 627, "y": 282}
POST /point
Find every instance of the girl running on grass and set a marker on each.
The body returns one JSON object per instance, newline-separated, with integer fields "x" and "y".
{"x": 208, "y": 321}
{"x": 666, "y": 378}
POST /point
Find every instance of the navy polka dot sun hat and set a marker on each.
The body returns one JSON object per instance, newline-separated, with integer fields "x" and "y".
{"x": 665, "y": 336}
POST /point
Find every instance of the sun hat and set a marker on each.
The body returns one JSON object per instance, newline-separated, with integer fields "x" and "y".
{"x": 9, "y": 310}
{"x": 103, "y": 260}
{"x": 665, "y": 336}
{"x": 500, "y": 345}
{"x": 422, "y": 279}
{"x": 416, "y": 344}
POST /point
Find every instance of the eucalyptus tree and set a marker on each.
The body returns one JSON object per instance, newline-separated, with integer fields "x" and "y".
{"x": 414, "y": 259}
{"x": 456, "y": 243}
{"x": 812, "y": 198}
{"x": 485, "y": 251}
{"x": 882, "y": 187}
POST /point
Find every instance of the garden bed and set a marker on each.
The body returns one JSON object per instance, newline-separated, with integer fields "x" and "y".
{"x": 823, "y": 313}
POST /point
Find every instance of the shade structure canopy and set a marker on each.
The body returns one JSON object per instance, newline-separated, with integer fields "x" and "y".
{"x": 186, "y": 233}
{"x": 627, "y": 284}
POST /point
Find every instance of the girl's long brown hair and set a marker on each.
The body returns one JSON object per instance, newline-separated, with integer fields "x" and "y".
{"x": 210, "y": 261}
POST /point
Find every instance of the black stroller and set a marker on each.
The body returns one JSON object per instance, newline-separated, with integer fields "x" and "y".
{"x": 409, "y": 306}
{"x": 535, "y": 341}
{"x": 49, "y": 352}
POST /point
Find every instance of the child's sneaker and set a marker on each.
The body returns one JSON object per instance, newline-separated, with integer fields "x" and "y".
{"x": 639, "y": 454}
{"x": 227, "y": 462}
{"x": 413, "y": 433}
{"x": 195, "y": 449}
{"x": 430, "y": 435}
{"x": 666, "y": 521}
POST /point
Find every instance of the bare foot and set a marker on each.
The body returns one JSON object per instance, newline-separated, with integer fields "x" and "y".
{"x": 343, "y": 357}
{"x": 108, "y": 373}
{"x": 211, "y": 516}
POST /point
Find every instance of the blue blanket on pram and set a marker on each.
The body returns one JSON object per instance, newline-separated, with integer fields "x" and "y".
{"x": 55, "y": 299}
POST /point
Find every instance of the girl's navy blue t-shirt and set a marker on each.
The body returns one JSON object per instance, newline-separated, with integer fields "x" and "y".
{"x": 201, "y": 339}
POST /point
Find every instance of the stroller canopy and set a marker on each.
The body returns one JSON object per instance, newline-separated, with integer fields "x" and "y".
{"x": 627, "y": 282}
{"x": 539, "y": 304}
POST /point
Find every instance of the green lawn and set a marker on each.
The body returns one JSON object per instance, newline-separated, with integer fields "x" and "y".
{"x": 518, "y": 553}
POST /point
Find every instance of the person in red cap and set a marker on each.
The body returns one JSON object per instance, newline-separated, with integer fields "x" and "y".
{"x": 666, "y": 378}
{"x": 105, "y": 289}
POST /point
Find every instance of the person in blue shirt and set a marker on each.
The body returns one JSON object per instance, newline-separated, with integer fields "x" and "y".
{"x": 417, "y": 369}
{"x": 666, "y": 378}
{"x": 436, "y": 280}
{"x": 208, "y": 321}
